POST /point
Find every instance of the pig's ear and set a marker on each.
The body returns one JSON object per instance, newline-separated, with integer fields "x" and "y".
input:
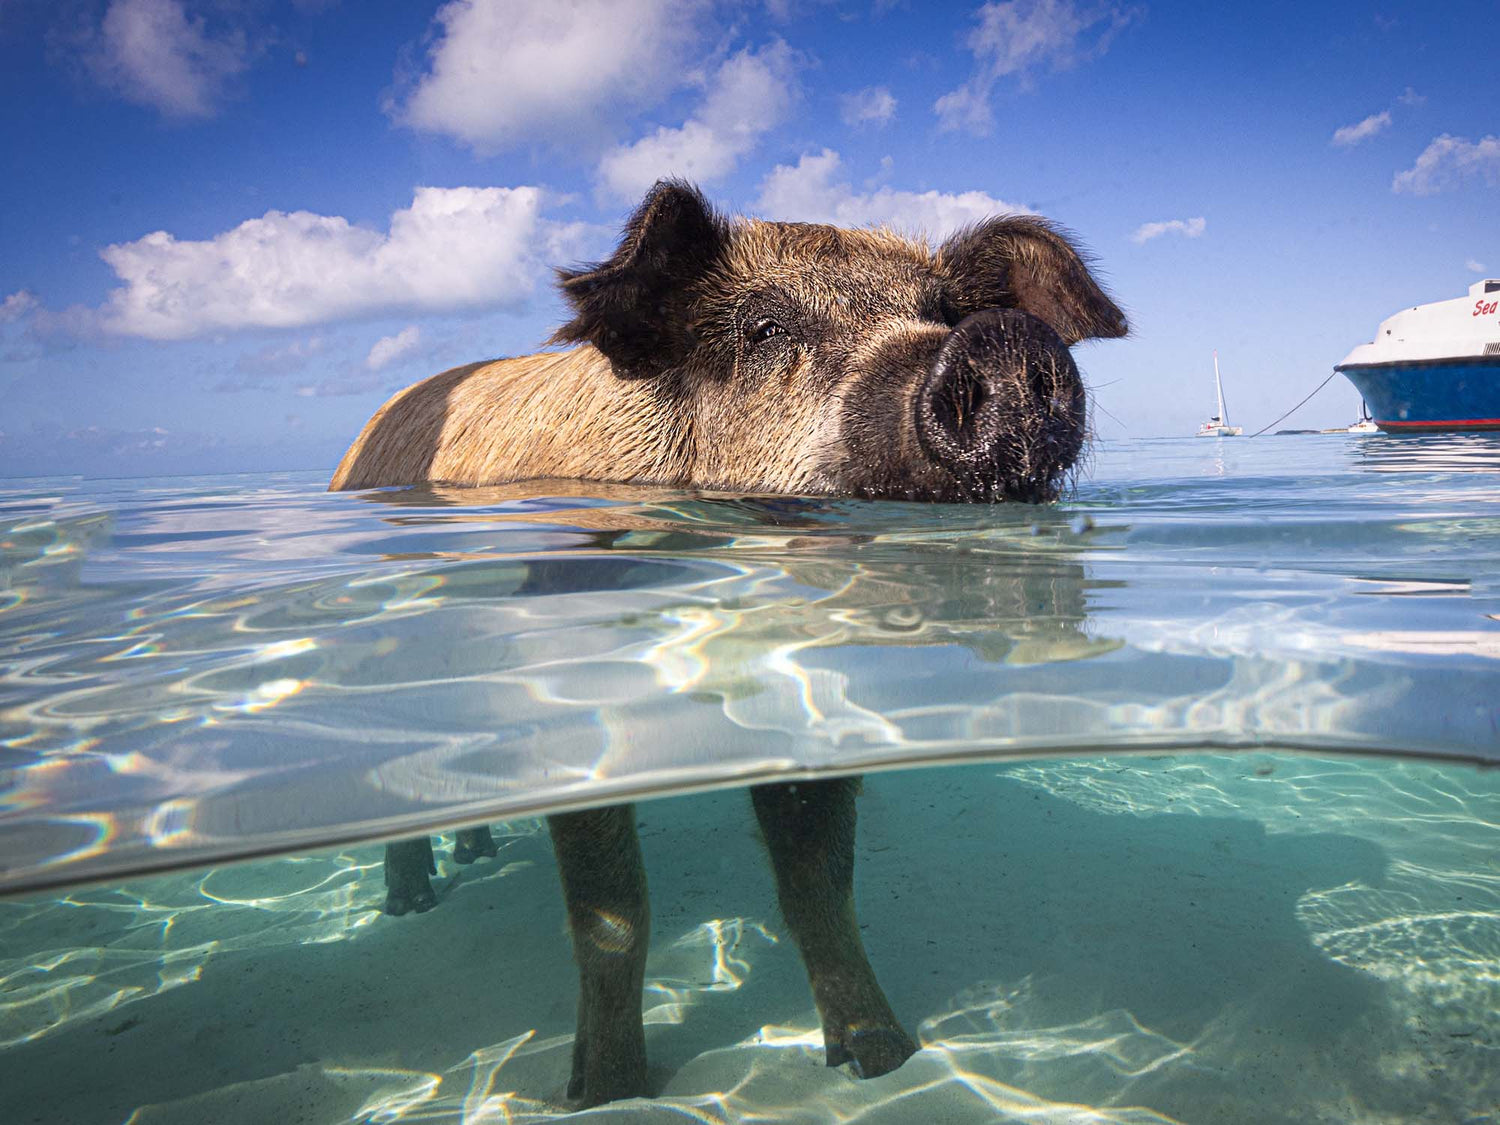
{"x": 1023, "y": 262}
{"x": 634, "y": 307}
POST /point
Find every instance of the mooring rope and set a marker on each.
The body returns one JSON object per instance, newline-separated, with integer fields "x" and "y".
{"x": 1298, "y": 407}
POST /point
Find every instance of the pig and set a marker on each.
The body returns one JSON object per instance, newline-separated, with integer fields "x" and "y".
{"x": 767, "y": 357}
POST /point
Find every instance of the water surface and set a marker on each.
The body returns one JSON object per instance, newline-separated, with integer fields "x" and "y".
{"x": 194, "y": 669}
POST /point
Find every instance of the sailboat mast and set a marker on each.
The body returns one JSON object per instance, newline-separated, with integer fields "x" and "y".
{"x": 1219, "y": 386}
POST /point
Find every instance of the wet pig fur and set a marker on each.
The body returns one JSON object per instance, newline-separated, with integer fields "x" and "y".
{"x": 764, "y": 357}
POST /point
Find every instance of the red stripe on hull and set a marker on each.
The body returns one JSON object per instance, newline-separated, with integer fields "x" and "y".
{"x": 1455, "y": 424}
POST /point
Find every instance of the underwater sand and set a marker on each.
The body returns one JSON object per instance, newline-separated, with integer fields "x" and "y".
{"x": 1203, "y": 938}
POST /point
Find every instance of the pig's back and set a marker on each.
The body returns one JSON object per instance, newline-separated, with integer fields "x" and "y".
{"x": 555, "y": 414}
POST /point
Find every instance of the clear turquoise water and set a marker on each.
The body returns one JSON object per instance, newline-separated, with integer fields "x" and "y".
{"x": 1160, "y": 889}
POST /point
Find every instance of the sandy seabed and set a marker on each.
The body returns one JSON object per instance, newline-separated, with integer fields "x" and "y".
{"x": 1260, "y": 938}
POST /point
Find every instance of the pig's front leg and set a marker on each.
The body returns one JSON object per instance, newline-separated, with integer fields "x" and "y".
{"x": 407, "y": 865}
{"x": 809, "y": 831}
{"x": 604, "y": 886}
{"x": 471, "y": 843}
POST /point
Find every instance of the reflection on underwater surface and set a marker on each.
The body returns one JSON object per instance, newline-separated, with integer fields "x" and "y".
{"x": 198, "y": 669}
{"x": 1259, "y": 938}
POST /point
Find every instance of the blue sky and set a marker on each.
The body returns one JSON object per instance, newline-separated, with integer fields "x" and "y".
{"x": 231, "y": 228}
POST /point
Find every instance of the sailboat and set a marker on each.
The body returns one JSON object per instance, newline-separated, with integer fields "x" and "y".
{"x": 1218, "y": 425}
{"x": 1365, "y": 424}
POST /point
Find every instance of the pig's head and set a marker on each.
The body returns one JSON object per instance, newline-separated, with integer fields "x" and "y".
{"x": 809, "y": 359}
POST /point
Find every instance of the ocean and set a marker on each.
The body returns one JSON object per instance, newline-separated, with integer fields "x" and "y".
{"x": 1179, "y": 798}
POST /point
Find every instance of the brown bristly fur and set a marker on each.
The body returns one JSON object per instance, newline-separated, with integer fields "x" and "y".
{"x": 554, "y": 414}
{"x": 664, "y": 388}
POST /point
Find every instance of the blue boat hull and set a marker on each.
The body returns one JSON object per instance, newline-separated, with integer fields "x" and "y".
{"x": 1421, "y": 397}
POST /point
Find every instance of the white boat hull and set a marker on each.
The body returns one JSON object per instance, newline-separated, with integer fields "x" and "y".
{"x": 1434, "y": 367}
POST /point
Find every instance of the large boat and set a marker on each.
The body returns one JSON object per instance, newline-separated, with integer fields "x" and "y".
{"x": 1218, "y": 425}
{"x": 1434, "y": 367}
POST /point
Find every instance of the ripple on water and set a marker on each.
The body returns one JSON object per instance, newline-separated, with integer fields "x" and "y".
{"x": 198, "y": 668}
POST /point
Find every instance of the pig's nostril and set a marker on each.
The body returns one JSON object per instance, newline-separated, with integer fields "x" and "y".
{"x": 960, "y": 412}
{"x": 1001, "y": 409}
{"x": 957, "y": 403}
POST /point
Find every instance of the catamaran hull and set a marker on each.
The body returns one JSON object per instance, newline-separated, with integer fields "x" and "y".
{"x": 1437, "y": 395}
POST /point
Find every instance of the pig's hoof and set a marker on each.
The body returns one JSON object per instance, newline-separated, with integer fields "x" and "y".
{"x": 404, "y": 900}
{"x": 407, "y": 865}
{"x": 873, "y": 1051}
{"x": 599, "y": 1089}
{"x": 609, "y": 1075}
{"x": 471, "y": 843}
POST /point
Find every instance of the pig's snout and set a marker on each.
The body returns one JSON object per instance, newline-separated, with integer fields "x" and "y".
{"x": 1002, "y": 408}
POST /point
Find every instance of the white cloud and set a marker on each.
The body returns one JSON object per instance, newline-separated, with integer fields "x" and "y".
{"x": 1474, "y": 266}
{"x": 1188, "y": 228}
{"x": 152, "y": 54}
{"x": 1015, "y": 37}
{"x": 388, "y": 349}
{"x": 1411, "y": 97}
{"x": 17, "y": 306}
{"x": 265, "y": 368}
{"x": 282, "y": 359}
{"x": 1352, "y": 134}
{"x": 354, "y": 382}
{"x": 29, "y": 331}
{"x": 452, "y": 248}
{"x": 809, "y": 192}
{"x": 1447, "y": 162}
{"x": 118, "y": 441}
{"x": 508, "y": 72}
{"x": 749, "y": 95}
{"x": 873, "y": 103}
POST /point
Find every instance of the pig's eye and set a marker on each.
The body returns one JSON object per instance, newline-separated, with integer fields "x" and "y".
{"x": 762, "y": 330}
{"x": 948, "y": 312}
